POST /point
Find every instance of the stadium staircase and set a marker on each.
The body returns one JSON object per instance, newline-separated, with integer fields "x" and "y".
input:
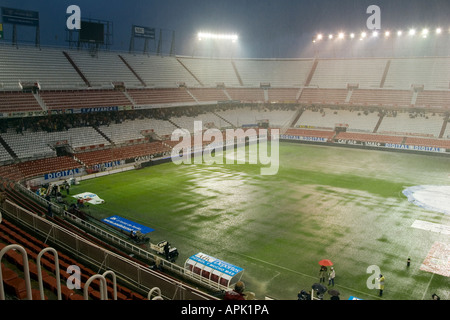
{"x": 8, "y": 148}
{"x": 222, "y": 118}
{"x": 103, "y": 135}
{"x": 132, "y": 70}
{"x": 74, "y": 65}
{"x": 190, "y": 72}
{"x": 375, "y": 130}
{"x": 444, "y": 126}
{"x": 236, "y": 71}
{"x": 385, "y": 73}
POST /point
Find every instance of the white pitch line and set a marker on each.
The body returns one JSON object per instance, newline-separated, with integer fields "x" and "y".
{"x": 305, "y": 275}
{"x": 426, "y": 289}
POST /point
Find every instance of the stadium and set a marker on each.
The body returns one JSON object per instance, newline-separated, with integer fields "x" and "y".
{"x": 88, "y": 180}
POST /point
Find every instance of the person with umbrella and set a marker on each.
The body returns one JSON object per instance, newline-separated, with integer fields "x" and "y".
{"x": 323, "y": 269}
{"x": 322, "y": 273}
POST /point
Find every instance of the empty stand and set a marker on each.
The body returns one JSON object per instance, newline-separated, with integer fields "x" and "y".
{"x": 157, "y": 71}
{"x": 79, "y": 99}
{"x": 338, "y": 73}
{"x": 404, "y": 73}
{"x": 378, "y": 97}
{"x": 356, "y": 120}
{"x": 18, "y": 101}
{"x": 104, "y": 68}
{"x": 410, "y": 124}
{"x": 210, "y": 72}
{"x": 323, "y": 96}
{"x": 149, "y": 97}
{"x": 48, "y": 66}
{"x": 279, "y": 73}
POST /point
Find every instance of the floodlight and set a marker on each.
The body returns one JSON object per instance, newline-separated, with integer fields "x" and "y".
{"x": 412, "y": 32}
{"x": 425, "y": 33}
{"x": 363, "y": 35}
{"x": 387, "y": 34}
{"x": 400, "y": 33}
{"x": 204, "y": 35}
{"x": 330, "y": 36}
{"x": 352, "y": 35}
{"x": 341, "y": 35}
{"x": 319, "y": 37}
{"x": 375, "y": 34}
{"x": 438, "y": 31}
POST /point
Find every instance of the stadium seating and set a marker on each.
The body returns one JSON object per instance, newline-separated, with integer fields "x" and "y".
{"x": 210, "y": 72}
{"x": 405, "y": 72}
{"x": 279, "y": 73}
{"x": 18, "y": 101}
{"x": 338, "y": 73}
{"x": 410, "y": 124}
{"x": 323, "y": 96}
{"x": 149, "y": 97}
{"x": 9, "y": 233}
{"x": 246, "y": 94}
{"x": 104, "y": 68}
{"x": 157, "y": 71}
{"x": 212, "y": 95}
{"x": 79, "y": 99}
{"x": 91, "y": 158}
{"x": 47, "y": 66}
{"x": 433, "y": 99}
{"x": 378, "y": 97}
{"x": 356, "y": 120}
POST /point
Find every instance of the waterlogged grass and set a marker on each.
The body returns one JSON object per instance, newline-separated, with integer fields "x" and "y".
{"x": 336, "y": 203}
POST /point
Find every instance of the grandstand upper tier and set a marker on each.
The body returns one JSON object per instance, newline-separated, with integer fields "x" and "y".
{"x": 63, "y": 69}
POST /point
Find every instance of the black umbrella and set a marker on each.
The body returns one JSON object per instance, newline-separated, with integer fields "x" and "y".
{"x": 321, "y": 289}
{"x": 334, "y": 292}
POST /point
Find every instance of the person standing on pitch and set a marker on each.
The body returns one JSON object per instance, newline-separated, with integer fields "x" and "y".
{"x": 322, "y": 274}
{"x": 331, "y": 277}
{"x": 381, "y": 281}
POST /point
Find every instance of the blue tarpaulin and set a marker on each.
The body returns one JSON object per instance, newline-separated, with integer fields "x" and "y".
{"x": 127, "y": 225}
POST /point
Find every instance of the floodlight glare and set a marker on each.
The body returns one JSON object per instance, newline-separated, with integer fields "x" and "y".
{"x": 204, "y": 35}
{"x": 400, "y": 33}
{"x": 438, "y": 31}
{"x": 387, "y": 34}
{"x": 363, "y": 35}
{"x": 330, "y": 36}
{"x": 341, "y": 35}
{"x": 412, "y": 32}
{"x": 319, "y": 37}
{"x": 425, "y": 33}
{"x": 375, "y": 34}
{"x": 352, "y": 35}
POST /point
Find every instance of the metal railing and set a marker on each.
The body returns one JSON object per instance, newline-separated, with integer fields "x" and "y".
{"x": 140, "y": 276}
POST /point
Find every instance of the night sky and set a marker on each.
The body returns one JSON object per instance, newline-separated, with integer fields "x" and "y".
{"x": 266, "y": 28}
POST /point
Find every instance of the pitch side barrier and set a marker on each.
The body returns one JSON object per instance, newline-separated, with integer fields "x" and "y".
{"x": 371, "y": 145}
